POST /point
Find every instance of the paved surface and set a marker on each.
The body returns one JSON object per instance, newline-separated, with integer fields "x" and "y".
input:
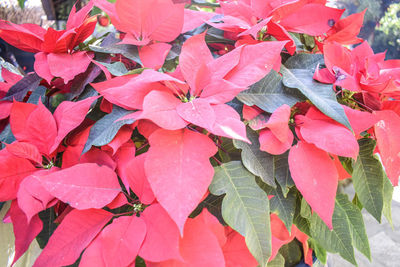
{"x": 384, "y": 241}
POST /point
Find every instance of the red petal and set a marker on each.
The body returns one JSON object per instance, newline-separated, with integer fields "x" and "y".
{"x": 162, "y": 239}
{"x": 122, "y": 240}
{"x": 271, "y": 144}
{"x": 41, "y": 66}
{"x": 329, "y": 136}
{"x": 236, "y": 252}
{"x": 83, "y": 186}
{"x": 179, "y": 159}
{"x": 306, "y": 163}
{"x": 280, "y": 235}
{"x": 26, "y": 151}
{"x": 228, "y": 123}
{"x": 27, "y": 37}
{"x": 137, "y": 180}
{"x": 69, "y": 115}
{"x": 360, "y": 121}
{"x": 24, "y": 231}
{"x": 12, "y": 171}
{"x": 149, "y": 19}
{"x": 75, "y": 232}
{"x": 388, "y": 140}
{"x": 198, "y": 112}
{"x": 194, "y": 18}
{"x": 278, "y": 123}
{"x": 255, "y": 62}
{"x": 343, "y": 174}
{"x": 195, "y": 54}
{"x": 67, "y": 66}
{"x": 220, "y": 91}
{"x": 160, "y": 108}
{"x": 199, "y": 247}
{"x": 311, "y": 19}
{"x": 29, "y": 122}
{"x": 153, "y": 56}
{"x": 32, "y": 196}
{"x": 129, "y": 91}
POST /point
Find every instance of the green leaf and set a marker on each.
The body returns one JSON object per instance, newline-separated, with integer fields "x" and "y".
{"x": 37, "y": 94}
{"x": 105, "y": 129}
{"x": 47, "y": 216}
{"x": 305, "y": 209}
{"x": 339, "y": 239}
{"x": 284, "y": 207}
{"x": 245, "y": 207}
{"x": 269, "y": 93}
{"x": 128, "y": 51}
{"x": 292, "y": 253}
{"x": 321, "y": 95}
{"x": 357, "y": 202}
{"x": 319, "y": 251}
{"x": 228, "y": 151}
{"x": 368, "y": 179}
{"x": 356, "y": 222}
{"x": 278, "y": 261}
{"x": 282, "y": 173}
{"x": 304, "y": 61}
{"x": 258, "y": 162}
{"x": 21, "y": 3}
{"x": 268, "y": 167}
{"x": 116, "y": 68}
{"x": 387, "y": 199}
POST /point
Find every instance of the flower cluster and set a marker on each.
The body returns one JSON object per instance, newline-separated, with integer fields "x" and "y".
{"x": 197, "y": 134}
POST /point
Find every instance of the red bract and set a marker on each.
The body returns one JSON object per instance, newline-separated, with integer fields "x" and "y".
{"x": 277, "y": 19}
{"x": 147, "y": 24}
{"x": 361, "y": 70}
{"x": 164, "y": 168}
{"x": 55, "y": 55}
{"x": 211, "y": 83}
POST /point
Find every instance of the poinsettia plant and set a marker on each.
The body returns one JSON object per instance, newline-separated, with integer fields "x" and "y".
{"x": 194, "y": 133}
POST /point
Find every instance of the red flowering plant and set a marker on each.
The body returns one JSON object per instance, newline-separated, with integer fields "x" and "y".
{"x": 187, "y": 137}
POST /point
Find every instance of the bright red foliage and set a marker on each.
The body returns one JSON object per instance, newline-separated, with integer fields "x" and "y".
{"x": 163, "y": 116}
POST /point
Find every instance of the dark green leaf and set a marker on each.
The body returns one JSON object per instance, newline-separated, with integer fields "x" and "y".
{"x": 213, "y": 204}
{"x": 139, "y": 262}
{"x": 292, "y": 253}
{"x": 1, "y": 205}
{"x": 282, "y": 173}
{"x": 228, "y": 151}
{"x": 258, "y": 162}
{"x": 368, "y": 179}
{"x": 268, "y": 167}
{"x": 105, "y": 129}
{"x": 47, "y": 217}
{"x": 128, "y": 51}
{"x": 284, "y": 207}
{"x": 356, "y": 222}
{"x": 245, "y": 207}
{"x": 304, "y": 61}
{"x": 6, "y": 136}
{"x": 116, "y": 68}
{"x": 18, "y": 91}
{"x": 269, "y": 93}
{"x": 321, "y": 95}
{"x": 37, "y": 94}
{"x": 339, "y": 239}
